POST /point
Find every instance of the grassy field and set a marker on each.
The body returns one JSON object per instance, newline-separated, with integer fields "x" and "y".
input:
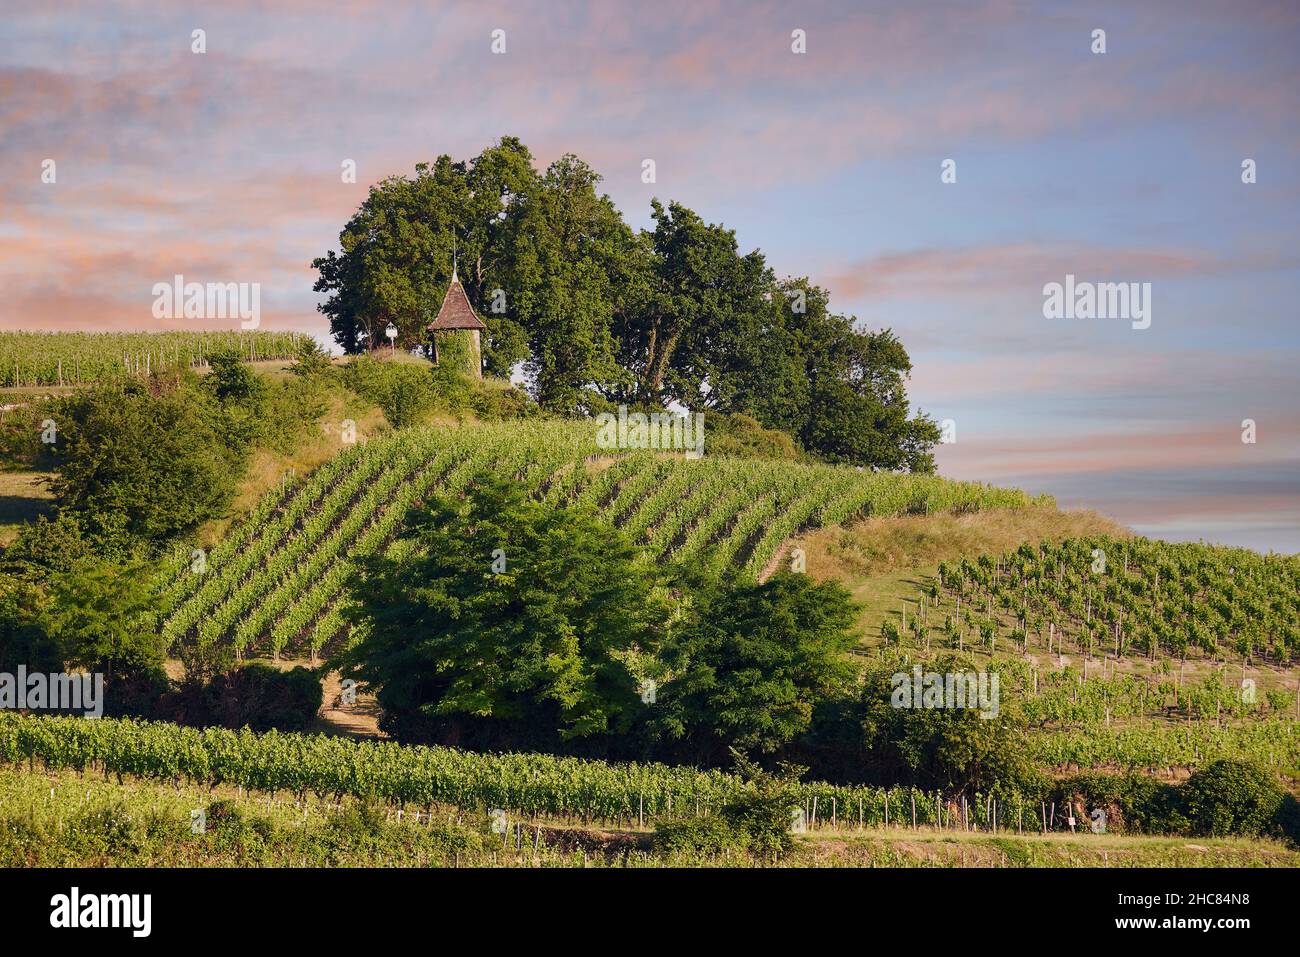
{"x": 66, "y": 819}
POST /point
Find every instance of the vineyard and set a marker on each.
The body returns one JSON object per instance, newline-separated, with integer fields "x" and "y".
{"x": 421, "y": 777}
{"x": 278, "y": 580}
{"x": 1121, "y": 597}
{"x": 33, "y": 359}
{"x": 534, "y": 785}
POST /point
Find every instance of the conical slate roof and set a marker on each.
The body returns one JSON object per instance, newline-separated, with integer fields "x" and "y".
{"x": 456, "y": 312}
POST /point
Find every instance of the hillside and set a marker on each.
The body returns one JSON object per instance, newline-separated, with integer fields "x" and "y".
{"x": 275, "y": 582}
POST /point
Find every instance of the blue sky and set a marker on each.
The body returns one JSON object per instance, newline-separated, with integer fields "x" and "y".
{"x": 1122, "y": 166}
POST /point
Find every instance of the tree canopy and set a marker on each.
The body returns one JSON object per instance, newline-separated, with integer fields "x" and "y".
{"x": 600, "y": 314}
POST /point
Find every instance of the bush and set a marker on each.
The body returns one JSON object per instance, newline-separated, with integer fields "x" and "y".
{"x": 1132, "y": 802}
{"x": 699, "y": 836}
{"x": 757, "y": 819}
{"x": 256, "y": 695}
{"x": 406, "y": 393}
{"x": 1233, "y": 798}
{"x": 148, "y": 460}
{"x": 763, "y": 810}
{"x": 489, "y": 402}
{"x": 741, "y": 436}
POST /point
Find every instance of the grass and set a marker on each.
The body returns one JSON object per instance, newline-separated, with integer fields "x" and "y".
{"x": 885, "y": 561}
{"x": 65, "y": 819}
{"x": 23, "y": 497}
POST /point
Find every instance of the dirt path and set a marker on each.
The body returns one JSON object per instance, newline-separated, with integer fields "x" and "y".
{"x": 357, "y": 720}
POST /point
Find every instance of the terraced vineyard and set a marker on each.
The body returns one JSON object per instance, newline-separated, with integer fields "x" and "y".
{"x": 277, "y": 581}
{"x": 1134, "y": 596}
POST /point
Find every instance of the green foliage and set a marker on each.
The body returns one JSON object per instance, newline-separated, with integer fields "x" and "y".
{"x": 752, "y": 662}
{"x": 232, "y": 380}
{"x": 1131, "y": 802}
{"x": 763, "y": 808}
{"x": 705, "y": 836}
{"x": 524, "y": 613}
{"x": 24, "y": 637}
{"x": 47, "y": 546}
{"x": 741, "y": 436}
{"x": 254, "y": 695}
{"x": 310, "y": 360}
{"x": 406, "y": 393}
{"x": 143, "y": 460}
{"x": 104, "y": 619}
{"x": 602, "y": 313}
{"x": 455, "y": 351}
{"x": 1232, "y": 797}
{"x": 957, "y": 749}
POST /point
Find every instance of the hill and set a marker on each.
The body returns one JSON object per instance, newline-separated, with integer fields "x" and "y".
{"x": 274, "y": 583}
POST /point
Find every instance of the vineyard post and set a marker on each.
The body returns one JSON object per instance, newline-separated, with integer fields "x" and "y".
{"x": 886, "y": 808}
{"x": 914, "y": 793}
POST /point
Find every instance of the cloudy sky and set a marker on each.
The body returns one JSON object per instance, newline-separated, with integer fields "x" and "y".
{"x": 1117, "y": 167}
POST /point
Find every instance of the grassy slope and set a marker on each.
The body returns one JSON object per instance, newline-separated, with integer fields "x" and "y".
{"x": 883, "y": 561}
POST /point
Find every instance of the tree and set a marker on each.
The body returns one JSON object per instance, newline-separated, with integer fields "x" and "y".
{"x": 752, "y": 663}
{"x": 575, "y": 272}
{"x": 398, "y": 251}
{"x": 104, "y": 619}
{"x": 956, "y": 749}
{"x": 144, "y": 459}
{"x": 704, "y": 309}
{"x": 600, "y": 314}
{"x": 510, "y": 623}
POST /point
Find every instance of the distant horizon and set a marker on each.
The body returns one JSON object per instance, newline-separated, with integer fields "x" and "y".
{"x": 1122, "y": 167}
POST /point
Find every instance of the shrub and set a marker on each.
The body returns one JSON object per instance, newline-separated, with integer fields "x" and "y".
{"x": 741, "y": 436}
{"x": 256, "y": 695}
{"x": 699, "y": 836}
{"x": 405, "y": 393}
{"x": 763, "y": 809}
{"x": 1233, "y": 798}
{"x": 1132, "y": 802}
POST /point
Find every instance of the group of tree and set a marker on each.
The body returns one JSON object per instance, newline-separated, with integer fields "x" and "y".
{"x": 504, "y": 623}
{"x": 137, "y": 463}
{"x": 600, "y": 314}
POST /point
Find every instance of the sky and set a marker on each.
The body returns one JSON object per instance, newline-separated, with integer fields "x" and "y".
{"x": 1117, "y": 166}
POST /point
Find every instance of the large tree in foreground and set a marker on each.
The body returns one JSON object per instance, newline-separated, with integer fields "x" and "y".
{"x": 751, "y": 665}
{"x": 505, "y": 622}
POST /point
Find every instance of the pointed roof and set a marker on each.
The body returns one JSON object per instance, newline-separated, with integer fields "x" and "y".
{"x": 455, "y": 311}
